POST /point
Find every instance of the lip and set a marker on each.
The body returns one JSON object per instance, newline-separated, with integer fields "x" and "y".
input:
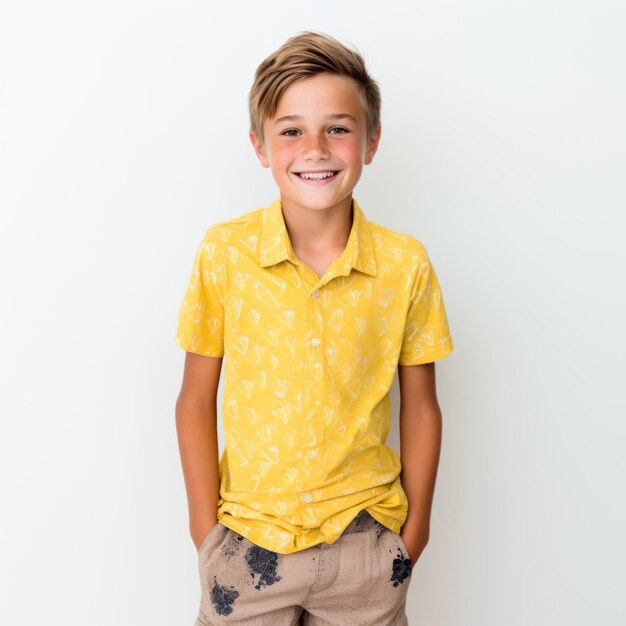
{"x": 316, "y": 183}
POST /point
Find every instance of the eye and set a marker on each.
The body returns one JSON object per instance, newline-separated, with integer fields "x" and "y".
{"x": 340, "y": 130}
{"x": 290, "y": 132}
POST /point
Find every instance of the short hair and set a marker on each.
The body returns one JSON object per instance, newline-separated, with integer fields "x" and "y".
{"x": 303, "y": 55}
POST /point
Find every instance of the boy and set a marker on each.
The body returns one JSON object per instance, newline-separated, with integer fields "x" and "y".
{"x": 308, "y": 517}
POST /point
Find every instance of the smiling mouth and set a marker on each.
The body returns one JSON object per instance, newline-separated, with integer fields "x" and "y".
{"x": 317, "y": 175}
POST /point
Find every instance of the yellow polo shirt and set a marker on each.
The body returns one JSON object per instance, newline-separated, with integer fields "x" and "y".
{"x": 308, "y": 365}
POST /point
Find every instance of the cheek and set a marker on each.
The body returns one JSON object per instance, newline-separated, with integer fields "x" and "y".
{"x": 282, "y": 156}
{"x": 351, "y": 152}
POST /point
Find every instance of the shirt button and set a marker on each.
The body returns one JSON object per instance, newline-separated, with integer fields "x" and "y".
{"x": 312, "y": 453}
{"x": 316, "y": 293}
{"x": 307, "y": 497}
{"x": 315, "y": 341}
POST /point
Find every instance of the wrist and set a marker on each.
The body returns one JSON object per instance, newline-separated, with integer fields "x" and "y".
{"x": 416, "y": 529}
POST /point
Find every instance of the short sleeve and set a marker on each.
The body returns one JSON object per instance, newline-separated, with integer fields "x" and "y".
{"x": 201, "y": 316}
{"x": 426, "y": 333}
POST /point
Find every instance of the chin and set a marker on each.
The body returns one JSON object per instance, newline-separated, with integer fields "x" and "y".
{"x": 317, "y": 204}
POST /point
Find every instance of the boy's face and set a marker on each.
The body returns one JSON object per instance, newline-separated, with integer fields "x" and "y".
{"x": 317, "y": 144}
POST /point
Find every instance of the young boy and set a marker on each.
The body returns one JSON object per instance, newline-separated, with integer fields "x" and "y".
{"x": 308, "y": 517}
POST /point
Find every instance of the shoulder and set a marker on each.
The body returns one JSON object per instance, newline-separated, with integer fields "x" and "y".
{"x": 235, "y": 230}
{"x": 396, "y": 239}
{"x": 397, "y": 248}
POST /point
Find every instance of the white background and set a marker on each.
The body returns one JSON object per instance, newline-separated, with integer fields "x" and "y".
{"x": 124, "y": 136}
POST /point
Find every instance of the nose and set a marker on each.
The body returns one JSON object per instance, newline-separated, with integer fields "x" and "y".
{"x": 315, "y": 147}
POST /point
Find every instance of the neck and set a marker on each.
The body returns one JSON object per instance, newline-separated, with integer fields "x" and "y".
{"x": 318, "y": 229}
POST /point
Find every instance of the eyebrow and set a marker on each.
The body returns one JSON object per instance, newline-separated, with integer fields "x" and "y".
{"x": 334, "y": 116}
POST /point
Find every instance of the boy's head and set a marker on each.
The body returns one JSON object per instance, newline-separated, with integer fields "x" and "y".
{"x": 304, "y": 55}
{"x": 314, "y": 119}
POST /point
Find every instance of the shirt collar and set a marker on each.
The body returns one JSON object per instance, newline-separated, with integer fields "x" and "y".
{"x": 276, "y": 246}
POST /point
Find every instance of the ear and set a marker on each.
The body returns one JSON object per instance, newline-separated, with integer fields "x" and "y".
{"x": 372, "y": 145}
{"x": 259, "y": 148}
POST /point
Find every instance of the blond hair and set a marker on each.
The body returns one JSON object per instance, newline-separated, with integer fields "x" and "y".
{"x": 303, "y": 55}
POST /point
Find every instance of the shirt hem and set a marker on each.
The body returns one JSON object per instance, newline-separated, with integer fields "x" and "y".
{"x": 429, "y": 358}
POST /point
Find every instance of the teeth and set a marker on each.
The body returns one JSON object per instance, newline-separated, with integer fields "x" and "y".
{"x": 317, "y": 175}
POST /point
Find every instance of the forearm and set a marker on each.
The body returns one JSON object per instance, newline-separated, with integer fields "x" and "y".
{"x": 420, "y": 437}
{"x": 197, "y": 440}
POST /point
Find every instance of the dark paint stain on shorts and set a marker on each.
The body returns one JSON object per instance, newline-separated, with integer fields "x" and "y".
{"x": 401, "y": 569}
{"x": 231, "y": 546}
{"x": 222, "y": 598}
{"x": 263, "y": 563}
{"x": 364, "y": 521}
{"x": 380, "y": 529}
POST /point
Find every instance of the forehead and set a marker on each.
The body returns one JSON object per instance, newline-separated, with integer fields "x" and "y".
{"x": 319, "y": 96}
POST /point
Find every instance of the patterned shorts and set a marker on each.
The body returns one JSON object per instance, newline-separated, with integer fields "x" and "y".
{"x": 360, "y": 579}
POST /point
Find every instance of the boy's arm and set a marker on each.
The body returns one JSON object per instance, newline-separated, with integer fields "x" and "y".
{"x": 420, "y": 445}
{"x": 196, "y": 425}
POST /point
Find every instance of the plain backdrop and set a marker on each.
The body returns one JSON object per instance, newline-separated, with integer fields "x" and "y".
{"x": 124, "y": 136}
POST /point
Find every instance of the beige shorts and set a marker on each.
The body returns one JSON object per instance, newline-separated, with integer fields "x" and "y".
{"x": 359, "y": 580}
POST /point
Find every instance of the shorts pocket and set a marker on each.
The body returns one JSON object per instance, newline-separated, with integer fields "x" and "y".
{"x": 402, "y": 545}
{"x": 400, "y": 541}
{"x": 208, "y": 537}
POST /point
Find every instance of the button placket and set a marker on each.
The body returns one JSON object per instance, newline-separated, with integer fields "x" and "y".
{"x": 315, "y": 341}
{"x": 315, "y": 335}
